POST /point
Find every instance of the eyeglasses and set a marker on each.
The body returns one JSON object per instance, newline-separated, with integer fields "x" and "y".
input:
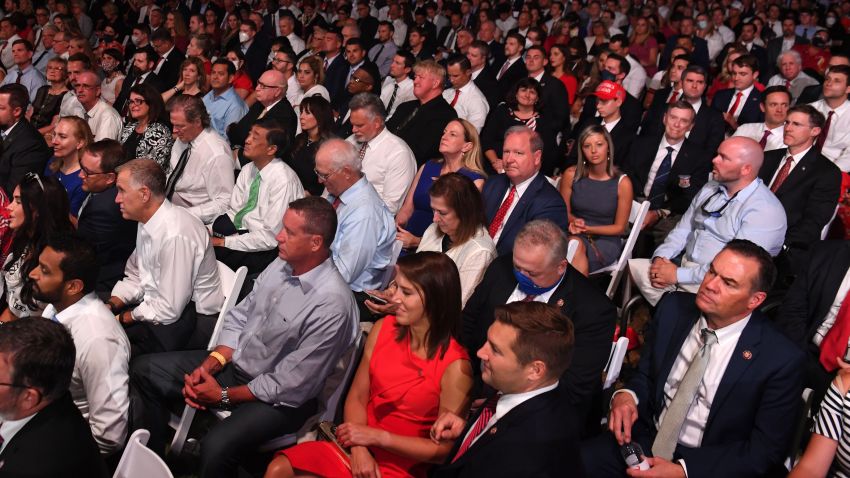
{"x": 137, "y": 101}
{"x": 360, "y": 80}
{"x": 719, "y": 212}
{"x": 31, "y": 176}
{"x": 324, "y": 177}
{"x": 86, "y": 173}
{"x": 264, "y": 86}
{"x": 83, "y": 86}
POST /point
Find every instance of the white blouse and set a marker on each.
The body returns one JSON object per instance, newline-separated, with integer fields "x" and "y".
{"x": 471, "y": 258}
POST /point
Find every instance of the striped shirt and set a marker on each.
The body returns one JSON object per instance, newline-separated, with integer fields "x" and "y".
{"x": 831, "y": 423}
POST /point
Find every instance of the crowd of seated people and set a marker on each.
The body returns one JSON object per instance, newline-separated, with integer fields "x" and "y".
{"x": 417, "y": 172}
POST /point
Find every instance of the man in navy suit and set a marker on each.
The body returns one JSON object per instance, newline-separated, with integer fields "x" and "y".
{"x": 513, "y": 68}
{"x": 520, "y": 194}
{"x": 735, "y": 415}
{"x": 740, "y": 104}
{"x": 336, "y": 69}
{"x": 526, "y": 429}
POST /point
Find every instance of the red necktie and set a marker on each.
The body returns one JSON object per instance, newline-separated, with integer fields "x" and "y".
{"x": 673, "y": 97}
{"x": 788, "y": 84}
{"x": 783, "y": 174}
{"x": 835, "y": 342}
{"x": 763, "y": 141}
{"x": 454, "y": 100}
{"x": 336, "y": 203}
{"x": 737, "y": 102}
{"x": 825, "y": 131}
{"x": 487, "y": 412}
{"x": 502, "y": 212}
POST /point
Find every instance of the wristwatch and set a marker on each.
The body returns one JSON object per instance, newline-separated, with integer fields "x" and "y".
{"x": 225, "y": 399}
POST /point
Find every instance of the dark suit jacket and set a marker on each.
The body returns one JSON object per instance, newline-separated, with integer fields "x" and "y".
{"x": 631, "y": 111}
{"x": 592, "y": 313}
{"x": 774, "y": 48}
{"x": 708, "y": 130}
{"x": 113, "y": 237}
{"x": 421, "y": 126}
{"x": 753, "y": 413}
{"x": 124, "y": 95}
{"x": 368, "y": 28}
{"x": 809, "y": 194}
{"x": 61, "y": 429}
{"x": 692, "y": 160}
{"x": 486, "y": 82}
{"x": 699, "y": 55}
{"x": 535, "y": 439}
{"x": 514, "y": 73}
{"x": 555, "y": 102}
{"x": 256, "y": 57}
{"x": 169, "y": 74}
{"x": 813, "y": 291}
{"x": 760, "y": 53}
{"x": 335, "y": 77}
{"x": 540, "y": 201}
{"x": 751, "y": 113}
{"x": 282, "y": 112}
{"x": 496, "y": 56}
{"x": 810, "y": 94}
{"x": 23, "y": 151}
{"x": 623, "y": 136}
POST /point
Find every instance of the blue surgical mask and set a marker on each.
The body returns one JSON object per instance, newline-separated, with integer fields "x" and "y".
{"x": 528, "y": 287}
{"x": 607, "y": 75}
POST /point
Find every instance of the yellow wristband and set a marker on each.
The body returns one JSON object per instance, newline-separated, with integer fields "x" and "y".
{"x": 219, "y": 357}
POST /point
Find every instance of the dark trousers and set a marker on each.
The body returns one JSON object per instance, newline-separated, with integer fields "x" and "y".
{"x": 148, "y": 338}
{"x": 256, "y": 262}
{"x": 156, "y": 383}
{"x": 601, "y": 454}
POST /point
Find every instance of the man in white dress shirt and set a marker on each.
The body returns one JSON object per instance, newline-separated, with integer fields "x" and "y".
{"x": 245, "y": 234}
{"x": 9, "y": 35}
{"x": 104, "y": 121}
{"x": 398, "y": 86}
{"x": 791, "y": 74}
{"x": 775, "y": 101}
{"x": 388, "y": 163}
{"x": 834, "y": 140}
{"x": 284, "y": 62}
{"x": 65, "y": 278}
{"x": 171, "y": 279}
{"x": 201, "y": 178}
{"x": 635, "y": 81}
{"x": 464, "y": 96}
{"x": 286, "y": 24}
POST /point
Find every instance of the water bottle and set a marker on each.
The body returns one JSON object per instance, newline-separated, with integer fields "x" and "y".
{"x": 633, "y": 455}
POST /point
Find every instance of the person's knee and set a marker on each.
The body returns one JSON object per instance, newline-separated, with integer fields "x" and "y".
{"x": 217, "y": 448}
{"x": 280, "y": 468}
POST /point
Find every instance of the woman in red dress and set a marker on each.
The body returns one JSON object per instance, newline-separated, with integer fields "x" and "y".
{"x": 412, "y": 370}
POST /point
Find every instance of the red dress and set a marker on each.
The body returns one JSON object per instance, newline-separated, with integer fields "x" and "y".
{"x": 404, "y": 399}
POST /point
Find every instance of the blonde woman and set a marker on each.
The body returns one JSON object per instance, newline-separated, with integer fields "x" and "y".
{"x": 461, "y": 153}
{"x": 70, "y": 138}
{"x": 598, "y": 200}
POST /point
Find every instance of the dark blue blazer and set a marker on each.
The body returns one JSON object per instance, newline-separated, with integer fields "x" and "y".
{"x": 754, "y": 411}
{"x": 540, "y": 201}
{"x": 335, "y": 77}
{"x": 750, "y": 114}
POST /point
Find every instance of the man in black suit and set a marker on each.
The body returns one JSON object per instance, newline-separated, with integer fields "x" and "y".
{"x": 256, "y": 50}
{"x": 36, "y": 364}
{"x": 526, "y": 430}
{"x": 482, "y": 74}
{"x": 23, "y": 148}
{"x": 687, "y": 28}
{"x": 815, "y": 92}
{"x": 167, "y": 68}
{"x": 746, "y": 38}
{"x": 671, "y": 92}
{"x": 776, "y": 46}
{"x": 539, "y": 253}
{"x": 142, "y": 72}
{"x": 419, "y": 44}
{"x": 616, "y": 69}
{"x": 420, "y": 122}
{"x": 336, "y": 68}
{"x": 741, "y": 103}
{"x": 496, "y": 52}
{"x": 100, "y": 221}
{"x": 271, "y": 103}
{"x": 717, "y": 391}
{"x": 668, "y": 170}
{"x": 512, "y": 69}
{"x": 553, "y": 93}
{"x": 806, "y": 183}
{"x": 609, "y": 99}
{"x": 367, "y": 23}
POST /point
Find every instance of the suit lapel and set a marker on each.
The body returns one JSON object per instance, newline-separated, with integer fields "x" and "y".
{"x": 518, "y": 214}
{"x": 800, "y": 172}
{"x": 771, "y": 163}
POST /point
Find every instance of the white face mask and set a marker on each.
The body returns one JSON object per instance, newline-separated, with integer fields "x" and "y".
{"x": 236, "y": 64}
{"x": 243, "y": 37}
{"x": 65, "y": 55}
{"x": 830, "y": 21}
{"x": 136, "y": 40}
{"x": 702, "y": 24}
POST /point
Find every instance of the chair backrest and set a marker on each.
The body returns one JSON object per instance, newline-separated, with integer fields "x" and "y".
{"x": 572, "y": 247}
{"x": 636, "y": 217}
{"x": 825, "y": 231}
{"x": 615, "y": 361}
{"x": 139, "y": 461}
{"x": 231, "y": 284}
{"x": 390, "y": 270}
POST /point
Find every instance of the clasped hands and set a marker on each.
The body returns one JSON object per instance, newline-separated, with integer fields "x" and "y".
{"x": 662, "y": 273}
{"x": 577, "y": 226}
{"x": 200, "y": 389}
{"x": 622, "y": 416}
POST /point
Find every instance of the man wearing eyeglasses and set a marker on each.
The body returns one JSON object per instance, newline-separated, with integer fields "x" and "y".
{"x": 272, "y": 104}
{"x": 104, "y": 121}
{"x": 735, "y": 204}
{"x": 284, "y": 62}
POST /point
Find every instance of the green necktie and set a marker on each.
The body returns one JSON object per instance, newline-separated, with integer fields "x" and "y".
{"x": 253, "y": 194}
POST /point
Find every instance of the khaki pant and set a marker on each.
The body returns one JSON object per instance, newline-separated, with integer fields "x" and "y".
{"x": 639, "y": 270}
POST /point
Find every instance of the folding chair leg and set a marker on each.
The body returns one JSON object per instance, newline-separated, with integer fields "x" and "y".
{"x": 182, "y": 430}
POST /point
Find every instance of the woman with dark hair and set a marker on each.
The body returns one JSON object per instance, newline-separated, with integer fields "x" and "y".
{"x": 147, "y": 135}
{"x": 241, "y": 81}
{"x": 643, "y": 47}
{"x": 317, "y": 124}
{"x": 522, "y": 107}
{"x": 413, "y": 369}
{"x": 39, "y": 208}
{"x": 70, "y": 137}
{"x": 48, "y": 98}
{"x": 598, "y": 200}
{"x": 112, "y": 63}
{"x": 211, "y": 26}
{"x": 558, "y": 56}
{"x": 230, "y": 34}
{"x": 310, "y": 75}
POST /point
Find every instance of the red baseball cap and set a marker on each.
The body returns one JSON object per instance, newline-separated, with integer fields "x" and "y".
{"x": 608, "y": 90}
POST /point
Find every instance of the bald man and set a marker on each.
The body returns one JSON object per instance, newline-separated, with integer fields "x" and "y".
{"x": 734, "y": 204}
{"x": 271, "y": 103}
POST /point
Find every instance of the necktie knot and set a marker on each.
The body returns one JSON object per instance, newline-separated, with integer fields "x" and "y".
{"x": 670, "y": 149}
{"x": 709, "y": 337}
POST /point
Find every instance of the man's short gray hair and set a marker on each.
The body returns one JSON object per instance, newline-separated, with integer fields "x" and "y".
{"x": 146, "y": 173}
{"x": 533, "y": 137}
{"x": 794, "y": 54}
{"x": 545, "y": 233}
{"x": 369, "y": 102}
{"x": 342, "y": 153}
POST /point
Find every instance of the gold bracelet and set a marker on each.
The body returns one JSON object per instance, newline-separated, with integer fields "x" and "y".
{"x": 218, "y": 357}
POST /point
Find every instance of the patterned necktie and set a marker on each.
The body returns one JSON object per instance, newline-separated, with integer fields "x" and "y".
{"x": 362, "y": 153}
{"x": 763, "y": 141}
{"x": 171, "y": 184}
{"x": 659, "y": 184}
{"x": 20, "y": 76}
{"x": 392, "y": 98}
{"x": 487, "y": 411}
{"x": 825, "y": 131}
{"x": 668, "y": 433}
{"x": 253, "y": 195}
{"x": 783, "y": 174}
{"x": 737, "y": 102}
{"x": 454, "y": 100}
{"x": 502, "y": 212}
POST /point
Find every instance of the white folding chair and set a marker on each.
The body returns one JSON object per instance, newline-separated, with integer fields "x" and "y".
{"x": 617, "y": 269}
{"x": 615, "y": 361}
{"x": 231, "y": 284}
{"x": 139, "y": 461}
{"x": 390, "y": 270}
{"x": 572, "y": 247}
{"x": 825, "y": 230}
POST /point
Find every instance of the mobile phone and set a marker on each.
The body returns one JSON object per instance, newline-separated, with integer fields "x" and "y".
{"x": 376, "y": 299}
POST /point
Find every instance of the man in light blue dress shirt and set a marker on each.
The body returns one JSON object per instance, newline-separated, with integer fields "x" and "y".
{"x": 224, "y": 106}
{"x": 24, "y": 73}
{"x": 736, "y": 204}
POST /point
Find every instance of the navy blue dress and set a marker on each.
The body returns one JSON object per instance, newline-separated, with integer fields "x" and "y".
{"x": 423, "y": 215}
{"x": 72, "y": 183}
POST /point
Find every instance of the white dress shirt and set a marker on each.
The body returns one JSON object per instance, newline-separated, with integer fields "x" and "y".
{"x": 10, "y": 428}
{"x": 206, "y": 184}
{"x": 293, "y": 91}
{"x": 104, "y": 121}
{"x": 471, "y": 258}
{"x": 837, "y": 144}
{"x": 506, "y": 403}
{"x": 162, "y": 60}
{"x": 609, "y": 126}
{"x": 832, "y": 313}
{"x": 659, "y": 157}
{"x": 797, "y": 157}
{"x": 100, "y": 383}
{"x": 296, "y": 42}
{"x": 746, "y": 94}
{"x": 755, "y": 131}
{"x": 6, "y": 52}
{"x": 279, "y": 186}
{"x": 520, "y": 190}
{"x": 71, "y": 106}
{"x": 173, "y": 263}
{"x": 405, "y": 93}
{"x": 471, "y": 104}
{"x": 389, "y": 165}
{"x": 400, "y": 32}
{"x": 635, "y": 81}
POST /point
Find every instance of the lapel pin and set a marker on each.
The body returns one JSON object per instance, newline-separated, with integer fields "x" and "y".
{"x": 493, "y": 430}
{"x": 747, "y": 355}
{"x": 560, "y": 302}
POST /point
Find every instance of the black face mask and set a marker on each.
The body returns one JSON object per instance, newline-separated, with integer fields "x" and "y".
{"x": 607, "y": 75}
{"x": 108, "y": 38}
